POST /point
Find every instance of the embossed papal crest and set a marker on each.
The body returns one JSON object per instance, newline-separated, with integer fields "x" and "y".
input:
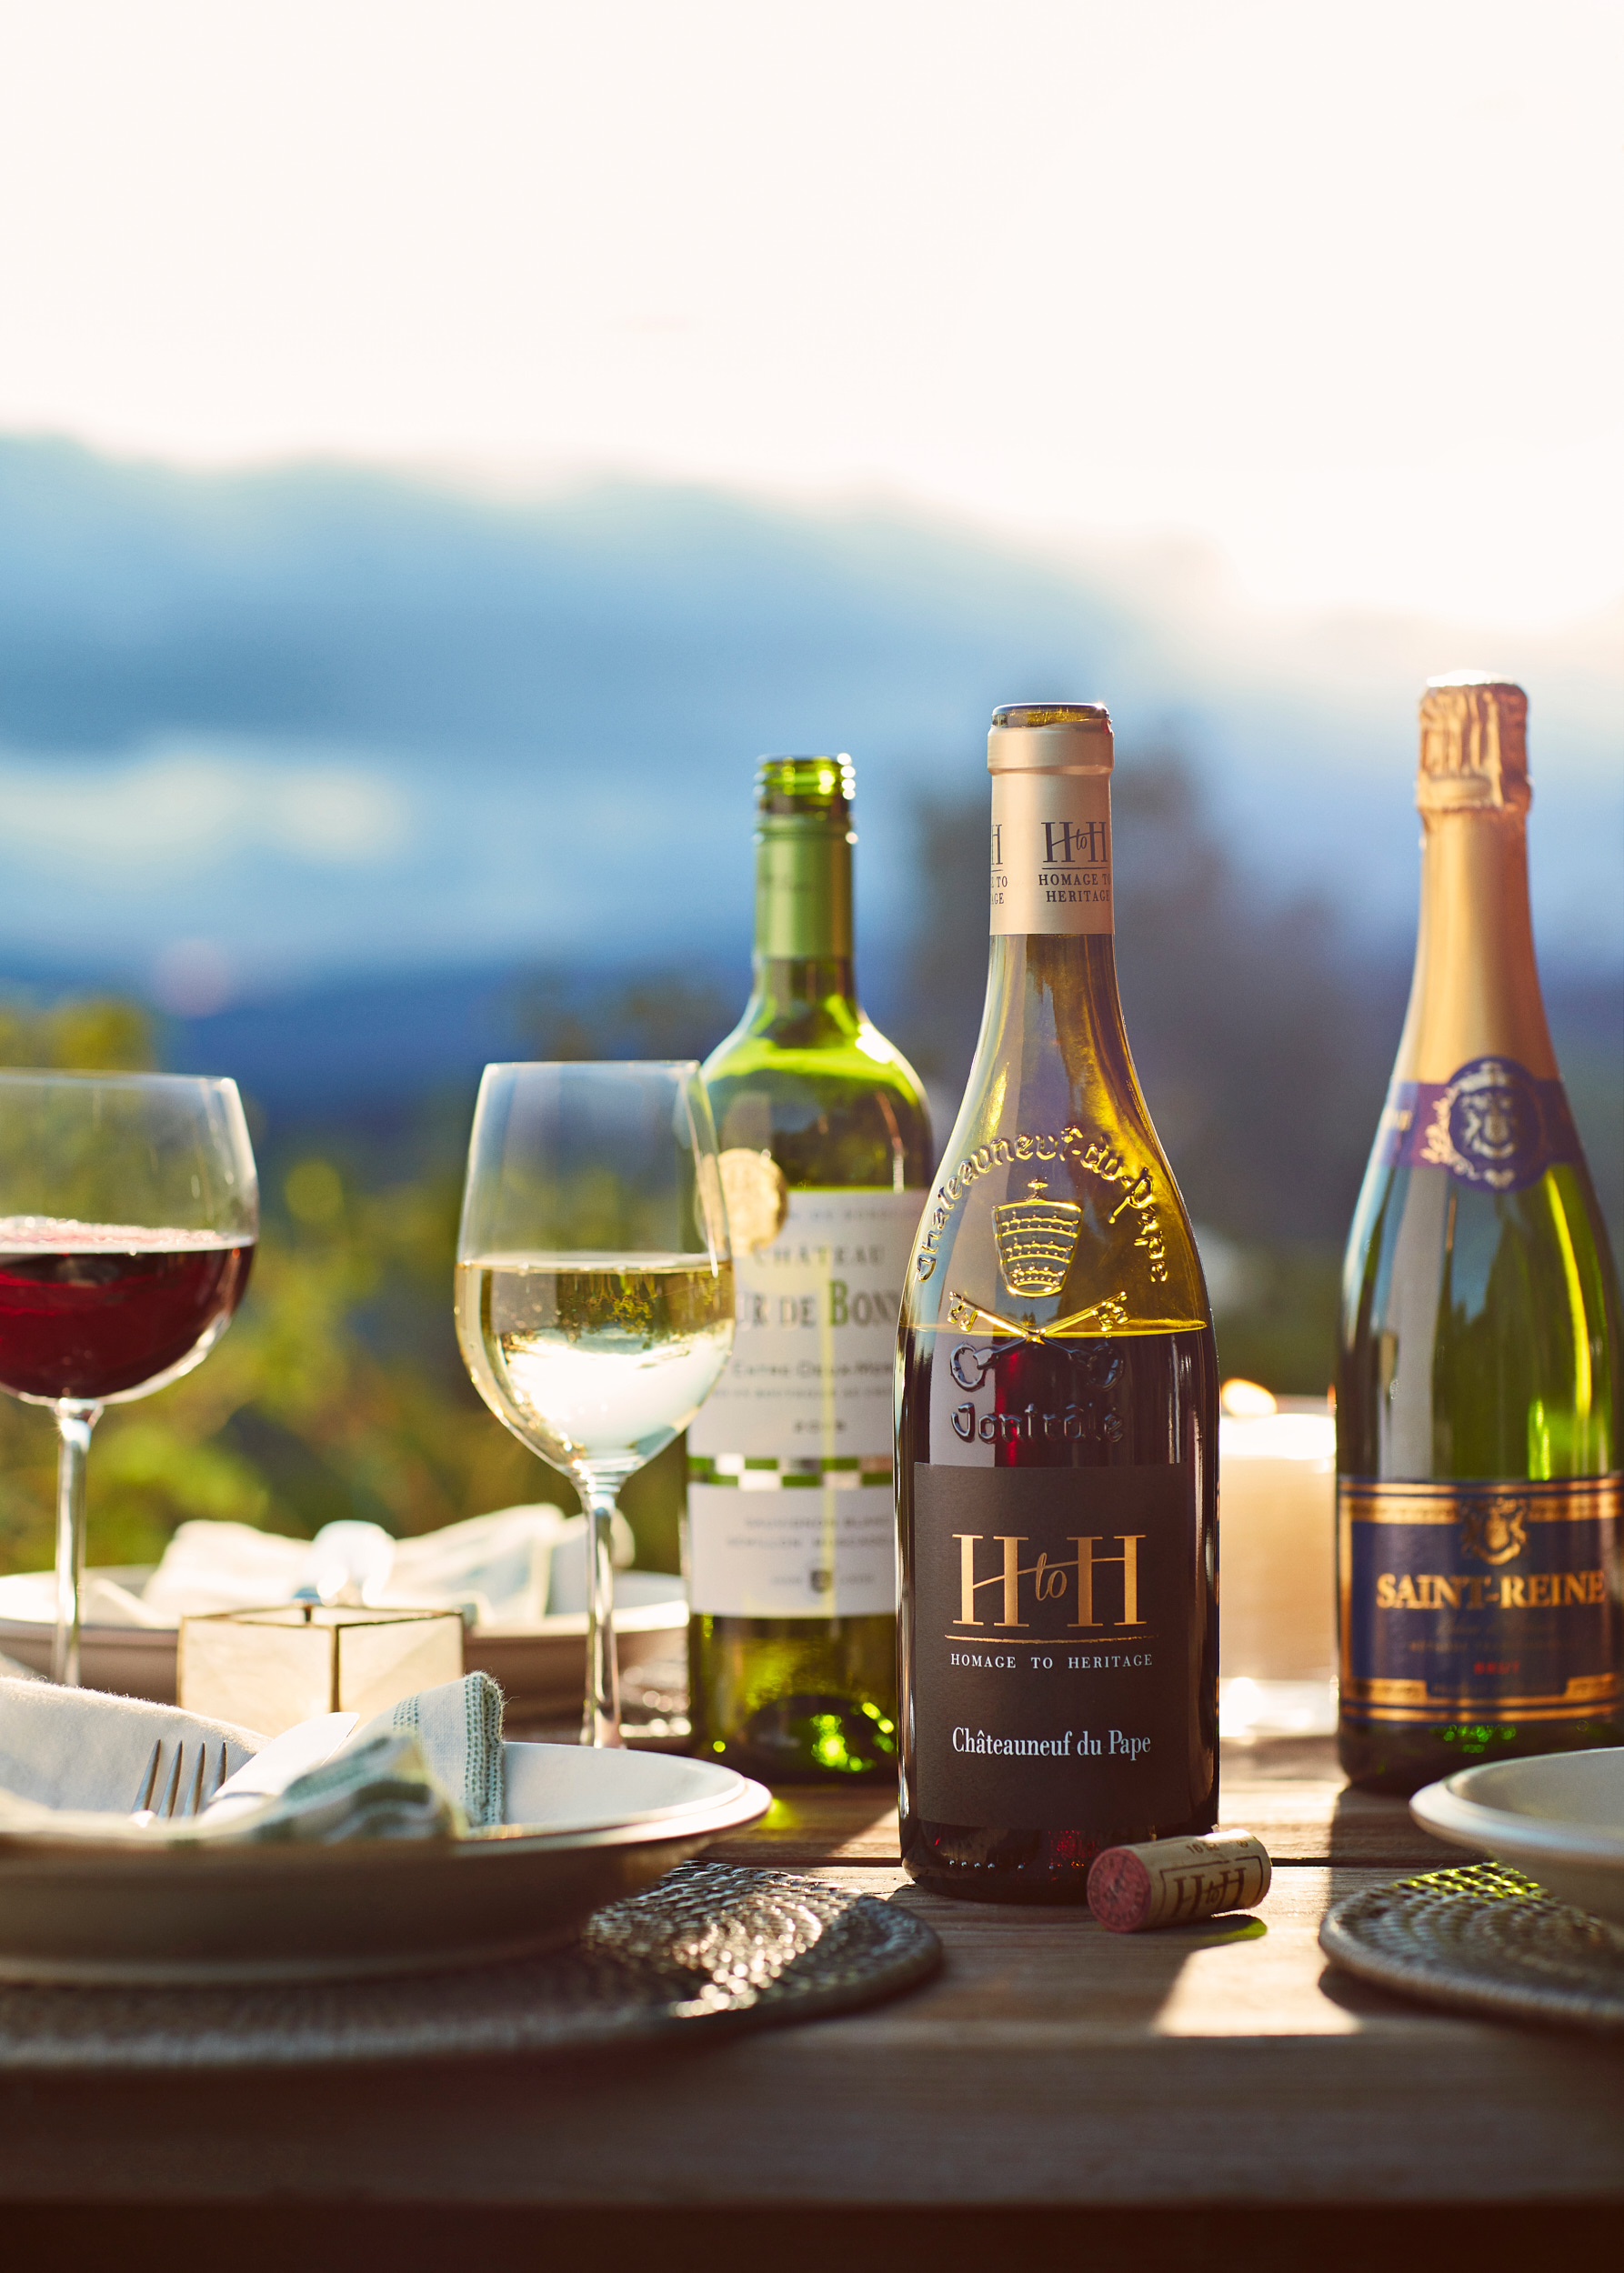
{"x": 1495, "y": 1532}
{"x": 1037, "y": 1239}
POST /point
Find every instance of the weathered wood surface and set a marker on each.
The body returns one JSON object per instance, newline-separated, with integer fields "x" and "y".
{"x": 1292, "y": 1793}
{"x": 1050, "y": 2065}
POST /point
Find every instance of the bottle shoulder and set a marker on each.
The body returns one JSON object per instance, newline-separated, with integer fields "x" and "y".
{"x": 1055, "y": 1232}
{"x": 841, "y": 1108}
{"x": 1480, "y": 1330}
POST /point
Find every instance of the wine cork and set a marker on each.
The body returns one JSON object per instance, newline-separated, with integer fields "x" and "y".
{"x": 1171, "y": 1882}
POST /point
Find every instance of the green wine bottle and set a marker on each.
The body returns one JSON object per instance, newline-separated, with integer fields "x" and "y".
{"x": 790, "y": 1548}
{"x": 1478, "y": 1491}
{"x": 1058, "y": 1422}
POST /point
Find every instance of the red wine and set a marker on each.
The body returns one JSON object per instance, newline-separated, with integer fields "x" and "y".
{"x": 1058, "y": 1414}
{"x": 93, "y": 1311}
{"x": 1135, "y": 1418}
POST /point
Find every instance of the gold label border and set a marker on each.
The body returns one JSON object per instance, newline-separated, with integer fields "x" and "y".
{"x": 1545, "y": 1499}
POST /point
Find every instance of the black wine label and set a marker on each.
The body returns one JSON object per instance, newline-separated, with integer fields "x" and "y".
{"x": 1052, "y": 1641}
{"x": 1491, "y": 1123}
{"x": 1473, "y": 1600}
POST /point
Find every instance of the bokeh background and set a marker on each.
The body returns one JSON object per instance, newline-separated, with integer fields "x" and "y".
{"x": 442, "y": 445}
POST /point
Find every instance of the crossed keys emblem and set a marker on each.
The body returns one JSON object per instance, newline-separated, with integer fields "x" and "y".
{"x": 1106, "y": 1316}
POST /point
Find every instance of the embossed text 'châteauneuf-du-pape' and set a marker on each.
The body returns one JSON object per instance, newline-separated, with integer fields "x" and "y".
{"x": 1057, "y": 1398}
{"x": 1480, "y": 1514}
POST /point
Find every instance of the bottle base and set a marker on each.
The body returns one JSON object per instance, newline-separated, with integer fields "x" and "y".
{"x": 806, "y": 1740}
{"x": 1034, "y": 1868}
{"x": 1401, "y": 1760}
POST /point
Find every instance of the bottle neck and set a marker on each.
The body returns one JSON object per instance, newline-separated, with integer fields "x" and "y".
{"x": 1052, "y": 1035}
{"x": 803, "y": 955}
{"x": 1476, "y": 989}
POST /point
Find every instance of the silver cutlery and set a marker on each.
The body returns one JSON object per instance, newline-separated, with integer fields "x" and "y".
{"x": 182, "y": 1787}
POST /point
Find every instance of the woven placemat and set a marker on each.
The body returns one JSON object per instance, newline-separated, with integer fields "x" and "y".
{"x": 709, "y": 1948}
{"x": 1484, "y": 1939}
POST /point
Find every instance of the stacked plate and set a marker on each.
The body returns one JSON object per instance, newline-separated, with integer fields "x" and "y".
{"x": 538, "y": 1666}
{"x": 583, "y": 1828}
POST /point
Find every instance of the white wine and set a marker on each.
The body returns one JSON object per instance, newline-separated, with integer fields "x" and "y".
{"x": 1479, "y": 1515}
{"x": 601, "y": 1359}
{"x": 1057, "y": 1398}
{"x": 791, "y": 1549}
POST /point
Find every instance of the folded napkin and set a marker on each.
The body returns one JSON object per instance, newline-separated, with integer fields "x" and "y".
{"x": 81, "y": 1748}
{"x": 510, "y": 1569}
{"x": 500, "y": 1569}
{"x": 72, "y": 1762}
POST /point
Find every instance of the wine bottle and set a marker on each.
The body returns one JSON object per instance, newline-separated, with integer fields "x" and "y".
{"x": 790, "y": 1548}
{"x": 1477, "y": 1489}
{"x": 1057, "y": 1398}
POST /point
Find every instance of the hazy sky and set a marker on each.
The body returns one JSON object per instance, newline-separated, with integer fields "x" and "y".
{"x": 1337, "y": 287}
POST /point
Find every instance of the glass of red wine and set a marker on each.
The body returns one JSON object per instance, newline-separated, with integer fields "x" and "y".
{"x": 129, "y": 1208}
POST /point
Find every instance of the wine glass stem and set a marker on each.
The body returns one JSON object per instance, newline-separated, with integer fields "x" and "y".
{"x": 600, "y": 1722}
{"x": 73, "y": 1425}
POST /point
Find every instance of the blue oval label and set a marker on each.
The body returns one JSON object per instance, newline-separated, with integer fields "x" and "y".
{"x": 1490, "y": 1124}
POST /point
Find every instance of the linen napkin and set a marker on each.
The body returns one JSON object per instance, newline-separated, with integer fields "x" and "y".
{"x": 510, "y": 1568}
{"x": 495, "y": 1568}
{"x": 82, "y": 1748}
{"x": 71, "y": 1763}
{"x": 459, "y": 1729}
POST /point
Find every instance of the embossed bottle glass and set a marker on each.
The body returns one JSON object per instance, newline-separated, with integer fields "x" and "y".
{"x": 790, "y": 1550}
{"x": 1479, "y": 1493}
{"x": 1057, "y": 1398}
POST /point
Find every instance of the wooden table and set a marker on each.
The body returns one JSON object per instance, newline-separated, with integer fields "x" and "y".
{"x": 1206, "y": 2098}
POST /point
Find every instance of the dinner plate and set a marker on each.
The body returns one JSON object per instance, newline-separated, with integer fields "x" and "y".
{"x": 1559, "y": 1819}
{"x": 539, "y": 1667}
{"x": 583, "y": 1827}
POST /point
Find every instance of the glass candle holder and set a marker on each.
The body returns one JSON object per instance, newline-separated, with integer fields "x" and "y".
{"x": 1277, "y": 1544}
{"x": 266, "y": 1669}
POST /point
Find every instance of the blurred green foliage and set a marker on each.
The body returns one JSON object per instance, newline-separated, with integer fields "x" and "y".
{"x": 1263, "y": 1041}
{"x": 339, "y": 1390}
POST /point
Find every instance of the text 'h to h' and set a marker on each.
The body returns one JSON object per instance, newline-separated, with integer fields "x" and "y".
{"x": 1050, "y": 1580}
{"x": 1066, "y": 842}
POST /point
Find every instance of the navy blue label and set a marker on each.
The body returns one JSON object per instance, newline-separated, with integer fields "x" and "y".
{"x": 1491, "y": 1123}
{"x": 1499, "y": 1599}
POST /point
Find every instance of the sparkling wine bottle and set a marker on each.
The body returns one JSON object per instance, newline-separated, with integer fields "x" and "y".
{"x": 1479, "y": 1493}
{"x": 1057, "y": 1398}
{"x": 790, "y": 1548}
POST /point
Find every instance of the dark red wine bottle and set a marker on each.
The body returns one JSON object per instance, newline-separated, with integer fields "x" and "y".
{"x": 1057, "y": 1398}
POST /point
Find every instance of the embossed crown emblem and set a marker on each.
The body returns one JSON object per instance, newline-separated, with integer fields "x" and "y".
{"x": 1495, "y": 1533}
{"x": 1037, "y": 1239}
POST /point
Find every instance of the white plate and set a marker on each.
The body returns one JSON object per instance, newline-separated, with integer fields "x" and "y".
{"x": 1559, "y": 1819}
{"x": 584, "y": 1827}
{"x": 540, "y": 1667}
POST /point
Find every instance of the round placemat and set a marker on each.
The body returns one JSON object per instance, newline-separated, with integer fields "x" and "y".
{"x": 1484, "y": 1939}
{"x": 710, "y": 1946}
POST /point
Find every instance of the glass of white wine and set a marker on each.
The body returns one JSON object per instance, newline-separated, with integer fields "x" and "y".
{"x": 595, "y": 1287}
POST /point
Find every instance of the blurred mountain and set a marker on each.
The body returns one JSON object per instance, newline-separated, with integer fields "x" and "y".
{"x": 262, "y": 728}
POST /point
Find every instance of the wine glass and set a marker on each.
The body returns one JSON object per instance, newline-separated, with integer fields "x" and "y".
{"x": 595, "y": 1287}
{"x": 129, "y": 1208}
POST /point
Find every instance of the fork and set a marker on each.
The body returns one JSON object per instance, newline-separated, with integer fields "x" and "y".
{"x": 184, "y": 1794}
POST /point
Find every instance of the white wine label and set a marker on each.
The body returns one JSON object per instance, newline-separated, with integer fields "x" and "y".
{"x": 790, "y": 1509}
{"x": 1051, "y": 1647}
{"x": 1051, "y": 853}
{"x": 1483, "y": 1598}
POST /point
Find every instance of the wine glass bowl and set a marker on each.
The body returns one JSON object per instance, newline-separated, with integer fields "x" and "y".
{"x": 594, "y": 1284}
{"x": 595, "y": 1358}
{"x": 101, "y": 1313}
{"x": 129, "y": 1211}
